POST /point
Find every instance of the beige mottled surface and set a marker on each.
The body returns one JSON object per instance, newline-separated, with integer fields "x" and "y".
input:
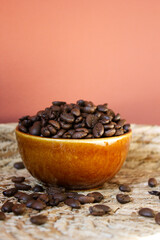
{"x": 124, "y": 223}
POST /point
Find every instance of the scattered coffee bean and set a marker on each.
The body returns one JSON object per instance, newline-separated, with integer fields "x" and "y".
{"x": 39, "y": 219}
{"x": 44, "y": 197}
{"x": 37, "y": 188}
{"x": 38, "y": 205}
{"x": 19, "y": 165}
{"x": 2, "y": 216}
{"x": 10, "y": 192}
{"x": 124, "y": 188}
{"x": 97, "y": 196}
{"x": 156, "y": 193}
{"x": 157, "y": 218}
{"x": 72, "y": 203}
{"x": 18, "y": 209}
{"x": 53, "y": 202}
{"x": 71, "y": 194}
{"x": 24, "y": 197}
{"x": 35, "y": 195}
{"x": 123, "y": 198}
{"x": 86, "y": 199}
{"x": 18, "y": 179}
{"x": 22, "y": 186}
{"x": 7, "y": 207}
{"x": 30, "y": 202}
{"x": 152, "y": 182}
{"x": 99, "y": 210}
{"x": 60, "y": 196}
{"x": 146, "y": 212}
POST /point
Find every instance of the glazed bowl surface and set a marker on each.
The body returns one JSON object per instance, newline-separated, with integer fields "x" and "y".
{"x": 73, "y": 163}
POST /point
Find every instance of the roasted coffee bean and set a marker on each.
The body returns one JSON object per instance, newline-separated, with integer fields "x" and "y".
{"x": 102, "y": 108}
{"x": 89, "y": 109}
{"x": 67, "y": 135}
{"x": 18, "y": 209}
{"x": 126, "y": 127}
{"x": 35, "y": 195}
{"x": 55, "y": 124}
{"x": 18, "y": 179}
{"x": 53, "y": 190}
{"x": 39, "y": 219}
{"x": 121, "y": 122}
{"x": 76, "y": 197}
{"x": 71, "y": 194}
{"x": 55, "y": 108}
{"x": 21, "y": 196}
{"x": 45, "y": 132}
{"x": 155, "y": 193}
{"x": 104, "y": 119}
{"x": 124, "y": 188}
{"x": 72, "y": 203}
{"x": 78, "y": 119}
{"x": 89, "y": 136}
{"x": 71, "y": 131}
{"x": 60, "y": 196}
{"x": 82, "y": 130}
{"x": 10, "y": 192}
{"x": 109, "y": 132}
{"x": 123, "y": 198}
{"x": 146, "y": 212}
{"x": 157, "y": 218}
{"x": 2, "y": 216}
{"x": 97, "y": 196}
{"x": 79, "y": 125}
{"x": 44, "y": 197}
{"x": 22, "y": 186}
{"x": 7, "y": 207}
{"x": 22, "y": 128}
{"x": 35, "y": 129}
{"x": 61, "y": 132}
{"x": 38, "y": 205}
{"x": 119, "y": 132}
{"x": 86, "y": 199}
{"x": 52, "y": 130}
{"x": 91, "y": 120}
{"x": 30, "y": 202}
{"x": 53, "y": 202}
{"x": 117, "y": 117}
{"x": 65, "y": 126}
{"x": 99, "y": 210}
{"x": 79, "y": 135}
{"x": 98, "y": 130}
{"x": 152, "y": 182}
{"x": 37, "y": 188}
{"x": 76, "y": 111}
{"x": 58, "y": 103}
{"x": 111, "y": 113}
{"x": 108, "y": 126}
{"x": 19, "y": 165}
{"x": 81, "y": 102}
{"x": 67, "y": 117}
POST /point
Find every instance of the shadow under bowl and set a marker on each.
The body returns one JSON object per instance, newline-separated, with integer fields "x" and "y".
{"x": 73, "y": 163}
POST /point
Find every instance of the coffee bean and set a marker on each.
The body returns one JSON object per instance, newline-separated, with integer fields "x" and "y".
{"x": 18, "y": 209}
{"x": 39, "y": 219}
{"x": 19, "y": 165}
{"x": 71, "y": 194}
{"x": 117, "y": 117}
{"x": 108, "y": 126}
{"x": 82, "y": 130}
{"x": 124, "y": 188}
{"x": 22, "y": 186}
{"x": 22, "y": 128}
{"x": 105, "y": 119}
{"x": 152, "y": 182}
{"x": 10, "y": 192}
{"x": 89, "y": 136}
{"x": 44, "y": 197}
{"x": 98, "y": 130}
{"x": 121, "y": 122}
{"x": 89, "y": 109}
{"x": 79, "y": 125}
{"x": 18, "y": 179}
{"x": 60, "y": 196}
{"x": 146, "y": 212}
{"x": 52, "y": 130}
{"x": 99, "y": 210}
{"x": 86, "y": 199}
{"x": 72, "y": 203}
{"x": 38, "y": 205}
{"x": 35, "y": 195}
{"x": 91, "y": 120}
{"x": 7, "y": 207}
{"x": 37, "y": 188}
{"x": 58, "y": 103}
{"x": 53, "y": 202}
{"x": 111, "y": 113}
{"x": 45, "y": 132}
{"x": 60, "y": 132}
{"x": 155, "y": 193}
{"x": 123, "y": 198}
{"x": 2, "y": 216}
{"x": 102, "y": 108}
{"x": 35, "y": 129}
{"x": 109, "y": 132}
{"x": 81, "y": 102}
{"x": 79, "y": 119}
{"x": 126, "y": 127}
{"x": 55, "y": 124}
{"x": 157, "y": 218}
{"x": 55, "y": 108}
{"x": 53, "y": 190}
{"x": 119, "y": 132}
{"x": 24, "y": 197}
{"x": 76, "y": 112}
{"x": 65, "y": 126}
{"x": 79, "y": 135}
{"x": 96, "y": 195}
{"x": 67, "y": 117}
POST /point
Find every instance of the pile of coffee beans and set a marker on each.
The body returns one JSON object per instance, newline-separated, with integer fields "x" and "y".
{"x": 82, "y": 119}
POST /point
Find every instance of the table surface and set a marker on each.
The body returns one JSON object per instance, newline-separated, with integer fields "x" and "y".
{"x": 143, "y": 162}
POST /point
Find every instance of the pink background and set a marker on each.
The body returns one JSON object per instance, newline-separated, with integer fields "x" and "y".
{"x": 99, "y": 50}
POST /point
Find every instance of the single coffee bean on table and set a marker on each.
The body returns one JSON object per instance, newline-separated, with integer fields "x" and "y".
{"x": 123, "y": 198}
{"x": 72, "y": 203}
{"x": 157, "y": 218}
{"x": 7, "y": 207}
{"x": 152, "y": 182}
{"x": 97, "y": 196}
{"x": 22, "y": 186}
{"x": 38, "y": 205}
{"x": 86, "y": 199}
{"x": 19, "y": 165}
{"x": 2, "y": 216}
{"x": 99, "y": 210}
{"x": 155, "y": 193}
{"x": 146, "y": 212}
{"x": 18, "y": 209}
{"x": 24, "y": 197}
{"x": 37, "y": 188}
{"x": 39, "y": 219}
{"x": 124, "y": 188}
{"x": 18, "y": 179}
{"x": 10, "y": 192}
{"x": 80, "y": 120}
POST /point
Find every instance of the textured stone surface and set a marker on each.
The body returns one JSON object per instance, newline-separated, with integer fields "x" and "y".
{"x": 143, "y": 162}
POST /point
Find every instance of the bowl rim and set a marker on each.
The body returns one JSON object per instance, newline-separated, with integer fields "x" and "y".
{"x": 129, "y": 133}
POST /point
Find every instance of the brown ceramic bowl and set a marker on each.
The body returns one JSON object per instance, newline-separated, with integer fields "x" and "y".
{"x": 74, "y": 164}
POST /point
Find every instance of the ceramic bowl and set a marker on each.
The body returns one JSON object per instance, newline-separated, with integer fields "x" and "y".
{"x": 73, "y": 163}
